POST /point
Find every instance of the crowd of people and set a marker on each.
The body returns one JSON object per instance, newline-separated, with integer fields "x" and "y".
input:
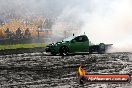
{"x": 18, "y": 34}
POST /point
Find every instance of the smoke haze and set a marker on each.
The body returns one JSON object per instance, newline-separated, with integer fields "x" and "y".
{"x": 108, "y": 21}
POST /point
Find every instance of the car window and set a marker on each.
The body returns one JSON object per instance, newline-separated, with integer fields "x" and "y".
{"x": 85, "y": 38}
{"x": 81, "y": 39}
{"x": 68, "y": 39}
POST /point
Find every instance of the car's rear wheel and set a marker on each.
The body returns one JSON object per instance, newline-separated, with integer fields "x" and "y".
{"x": 64, "y": 50}
{"x": 101, "y": 48}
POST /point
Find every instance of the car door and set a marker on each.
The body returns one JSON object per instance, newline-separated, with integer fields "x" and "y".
{"x": 79, "y": 44}
{"x": 85, "y": 44}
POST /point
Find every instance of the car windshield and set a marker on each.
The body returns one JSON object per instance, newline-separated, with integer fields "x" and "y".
{"x": 69, "y": 38}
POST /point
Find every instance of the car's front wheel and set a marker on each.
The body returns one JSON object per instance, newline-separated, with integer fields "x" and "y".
{"x": 64, "y": 50}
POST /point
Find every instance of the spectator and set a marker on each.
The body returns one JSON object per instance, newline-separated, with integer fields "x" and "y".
{"x": 19, "y": 33}
{"x": 27, "y": 33}
{"x": 9, "y": 34}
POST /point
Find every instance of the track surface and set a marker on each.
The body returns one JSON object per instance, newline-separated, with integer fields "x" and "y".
{"x": 36, "y": 70}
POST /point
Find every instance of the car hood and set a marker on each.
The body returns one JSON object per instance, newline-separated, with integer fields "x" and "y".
{"x": 61, "y": 42}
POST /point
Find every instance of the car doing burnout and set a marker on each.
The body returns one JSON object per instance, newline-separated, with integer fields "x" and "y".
{"x": 75, "y": 44}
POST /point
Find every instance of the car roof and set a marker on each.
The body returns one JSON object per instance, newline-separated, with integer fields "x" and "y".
{"x": 80, "y": 35}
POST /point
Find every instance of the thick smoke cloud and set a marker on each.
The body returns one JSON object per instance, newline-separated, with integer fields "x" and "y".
{"x": 108, "y": 21}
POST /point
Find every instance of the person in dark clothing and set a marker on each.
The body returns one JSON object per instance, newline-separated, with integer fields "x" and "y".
{"x": 27, "y": 33}
{"x": 9, "y": 34}
{"x": 19, "y": 33}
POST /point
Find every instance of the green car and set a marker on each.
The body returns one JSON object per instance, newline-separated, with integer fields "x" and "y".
{"x": 75, "y": 44}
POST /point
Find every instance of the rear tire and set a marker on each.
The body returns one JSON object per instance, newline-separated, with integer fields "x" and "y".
{"x": 101, "y": 52}
{"x": 64, "y": 51}
{"x": 101, "y": 48}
